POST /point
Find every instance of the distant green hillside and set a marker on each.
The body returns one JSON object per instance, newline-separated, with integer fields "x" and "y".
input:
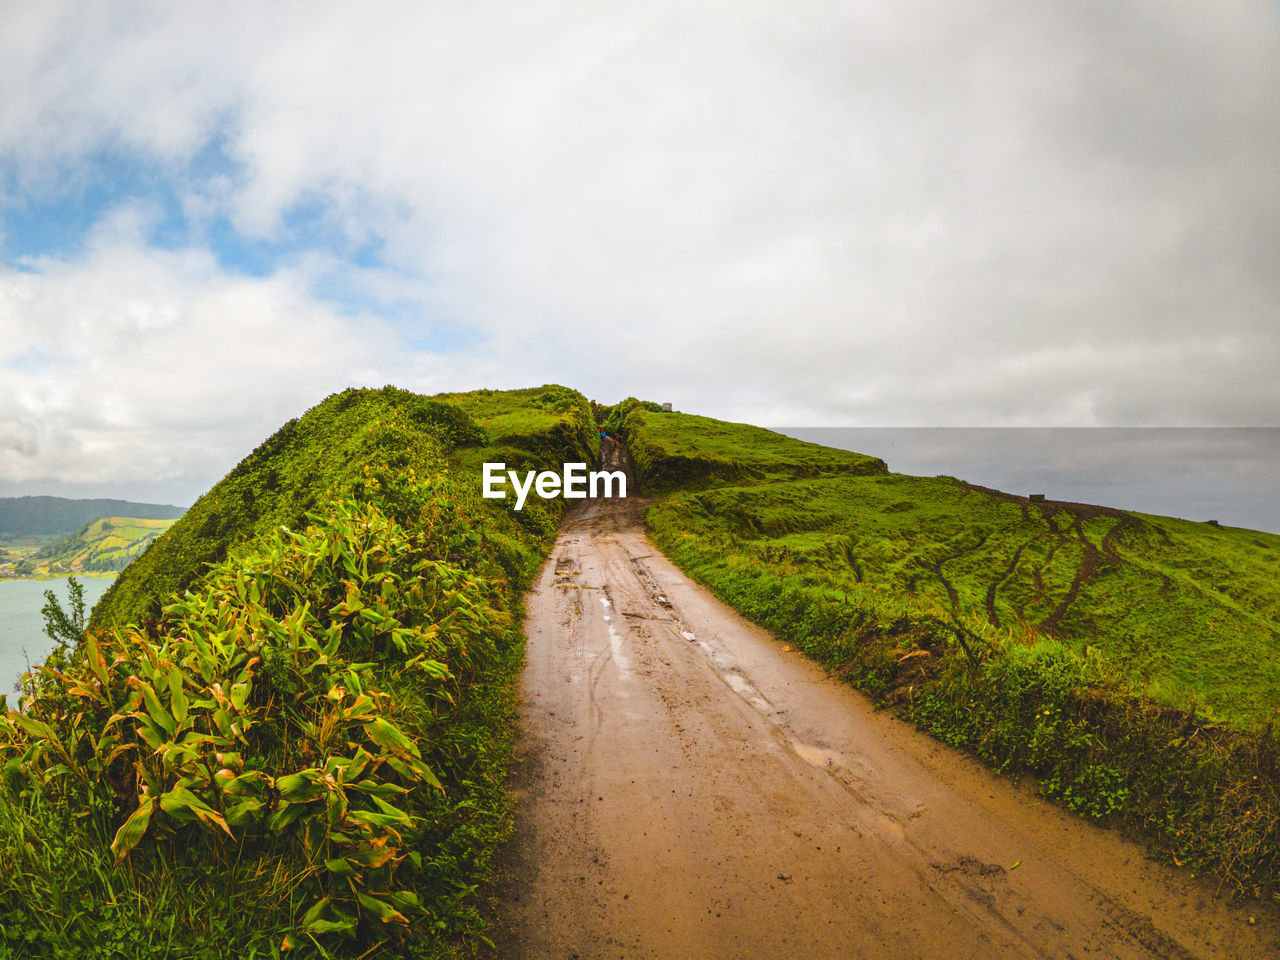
{"x": 25, "y": 516}
{"x": 1131, "y": 661}
{"x": 104, "y": 546}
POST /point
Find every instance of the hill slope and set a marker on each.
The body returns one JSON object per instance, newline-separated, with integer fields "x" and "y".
{"x": 333, "y": 446}
{"x": 106, "y": 545}
{"x": 25, "y": 516}
{"x": 304, "y": 752}
{"x": 1189, "y": 612}
{"x": 681, "y": 450}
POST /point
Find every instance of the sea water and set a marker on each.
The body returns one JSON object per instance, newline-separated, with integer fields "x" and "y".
{"x": 23, "y": 642}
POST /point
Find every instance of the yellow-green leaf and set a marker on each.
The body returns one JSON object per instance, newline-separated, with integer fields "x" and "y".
{"x": 382, "y": 910}
{"x": 301, "y": 787}
{"x": 340, "y": 867}
{"x": 386, "y": 734}
{"x": 159, "y": 715}
{"x": 181, "y": 802}
{"x": 134, "y": 828}
{"x": 177, "y": 695}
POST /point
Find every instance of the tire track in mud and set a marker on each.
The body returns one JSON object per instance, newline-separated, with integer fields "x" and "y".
{"x": 990, "y": 600}
{"x": 952, "y": 595}
{"x": 1086, "y": 570}
{"x": 688, "y": 788}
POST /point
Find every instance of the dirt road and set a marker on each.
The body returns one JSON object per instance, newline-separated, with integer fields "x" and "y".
{"x": 688, "y": 788}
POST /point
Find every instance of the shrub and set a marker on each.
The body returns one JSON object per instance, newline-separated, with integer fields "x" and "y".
{"x": 256, "y": 717}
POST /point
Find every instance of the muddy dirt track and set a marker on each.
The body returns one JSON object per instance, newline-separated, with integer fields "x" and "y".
{"x": 688, "y": 788}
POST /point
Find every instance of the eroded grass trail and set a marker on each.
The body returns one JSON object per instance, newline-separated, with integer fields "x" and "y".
{"x": 688, "y": 788}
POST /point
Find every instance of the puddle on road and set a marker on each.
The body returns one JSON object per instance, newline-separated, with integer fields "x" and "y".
{"x": 748, "y": 692}
{"x": 888, "y": 827}
{"x": 620, "y": 658}
{"x": 816, "y": 755}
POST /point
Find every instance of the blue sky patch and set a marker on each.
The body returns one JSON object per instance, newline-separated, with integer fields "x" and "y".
{"x": 55, "y": 215}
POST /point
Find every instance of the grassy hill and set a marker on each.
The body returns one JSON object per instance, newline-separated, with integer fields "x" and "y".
{"x": 1190, "y": 613}
{"x": 285, "y": 731}
{"x": 681, "y": 450}
{"x": 332, "y": 446}
{"x": 27, "y": 516}
{"x": 1130, "y": 661}
{"x": 106, "y": 545}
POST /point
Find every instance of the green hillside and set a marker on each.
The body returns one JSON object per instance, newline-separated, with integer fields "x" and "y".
{"x": 1189, "y": 612}
{"x": 331, "y": 447}
{"x": 682, "y": 450}
{"x": 26, "y": 516}
{"x": 105, "y": 545}
{"x": 303, "y": 753}
{"x": 16, "y": 553}
{"x": 1131, "y": 661}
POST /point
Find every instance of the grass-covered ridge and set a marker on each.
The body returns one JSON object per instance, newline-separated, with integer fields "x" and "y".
{"x": 683, "y": 450}
{"x": 1130, "y": 661}
{"x": 303, "y": 753}
{"x": 293, "y": 471}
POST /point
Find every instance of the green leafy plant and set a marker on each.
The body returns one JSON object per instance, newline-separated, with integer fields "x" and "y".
{"x": 254, "y": 713}
{"x": 65, "y": 627}
{"x": 286, "y": 729}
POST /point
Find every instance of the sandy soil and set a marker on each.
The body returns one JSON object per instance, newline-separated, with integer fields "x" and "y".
{"x": 690, "y": 788}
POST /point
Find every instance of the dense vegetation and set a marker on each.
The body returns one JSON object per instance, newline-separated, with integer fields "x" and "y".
{"x": 1129, "y": 661}
{"x": 389, "y": 430}
{"x": 302, "y": 753}
{"x": 103, "y": 546}
{"x": 24, "y": 516}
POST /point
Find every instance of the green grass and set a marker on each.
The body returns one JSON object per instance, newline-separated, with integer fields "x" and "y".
{"x": 330, "y": 447}
{"x": 673, "y": 450}
{"x": 1186, "y": 611}
{"x": 1131, "y": 662}
{"x": 394, "y": 581}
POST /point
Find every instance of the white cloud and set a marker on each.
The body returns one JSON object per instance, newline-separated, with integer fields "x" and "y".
{"x": 808, "y": 212}
{"x": 133, "y": 364}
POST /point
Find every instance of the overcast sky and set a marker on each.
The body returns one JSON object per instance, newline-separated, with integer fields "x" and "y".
{"x": 884, "y": 212}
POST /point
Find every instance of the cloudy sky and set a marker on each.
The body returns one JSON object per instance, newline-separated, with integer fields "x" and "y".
{"x": 880, "y": 212}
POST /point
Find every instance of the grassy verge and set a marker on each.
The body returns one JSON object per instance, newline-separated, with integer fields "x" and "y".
{"x": 1128, "y": 662}
{"x": 303, "y": 753}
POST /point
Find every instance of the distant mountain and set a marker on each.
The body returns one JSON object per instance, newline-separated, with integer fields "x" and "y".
{"x": 106, "y": 545}
{"x": 27, "y": 516}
